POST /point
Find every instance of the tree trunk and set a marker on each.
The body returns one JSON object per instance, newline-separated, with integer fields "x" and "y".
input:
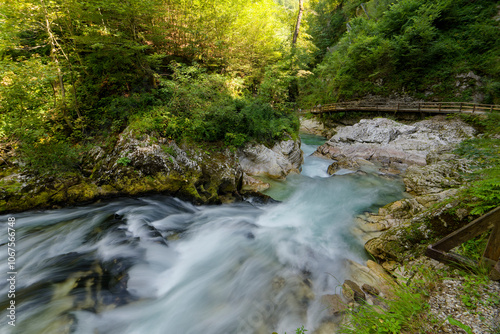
{"x": 299, "y": 18}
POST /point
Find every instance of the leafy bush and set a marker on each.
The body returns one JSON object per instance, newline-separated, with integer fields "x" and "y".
{"x": 484, "y": 191}
{"x": 208, "y": 107}
{"x": 54, "y": 157}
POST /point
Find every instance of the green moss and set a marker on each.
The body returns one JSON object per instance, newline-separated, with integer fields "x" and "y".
{"x": 82, "y": 192}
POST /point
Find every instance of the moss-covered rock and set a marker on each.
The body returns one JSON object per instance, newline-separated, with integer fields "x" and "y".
{"x": 138, "y": 165}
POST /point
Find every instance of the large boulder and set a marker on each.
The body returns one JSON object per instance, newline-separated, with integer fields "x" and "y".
{"x": 315, "y": 127}
{"x": 276, "y": 162}
{"x": 394, "y": 144}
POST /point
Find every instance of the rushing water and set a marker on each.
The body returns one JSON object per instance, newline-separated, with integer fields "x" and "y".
{"x": 158, "y": 265}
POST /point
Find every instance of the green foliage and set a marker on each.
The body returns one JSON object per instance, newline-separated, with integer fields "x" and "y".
{"x": 406, "y": 46}
{"x": 409, "y": 312}
{"x": 457, "y": 323}
{"x": 300, "y": 330}
{"x": 474, "y": 248}
{"x": 52, "y": 158}
{"x": 169, "y": 150}
{"x": 72, "y": 72}
{"x": 484, "y": 191}
{"x": 209, "y": 107}
{"x": 473, "y": 286}
{"x": 124, "y": 161}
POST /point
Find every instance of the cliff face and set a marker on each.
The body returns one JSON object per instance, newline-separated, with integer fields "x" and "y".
{"x": 139, "y": 165}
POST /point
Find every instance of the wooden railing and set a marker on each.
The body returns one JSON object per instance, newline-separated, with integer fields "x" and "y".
{"x": 491, "y": 256}
{"x": 418, "y": 107}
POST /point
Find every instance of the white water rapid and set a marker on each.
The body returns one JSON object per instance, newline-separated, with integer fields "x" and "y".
{"x": 158, "y": 265}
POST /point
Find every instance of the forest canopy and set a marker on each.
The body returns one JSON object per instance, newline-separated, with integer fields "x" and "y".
{"x": 75, "y": 73}
{"x": 444, "y": 50}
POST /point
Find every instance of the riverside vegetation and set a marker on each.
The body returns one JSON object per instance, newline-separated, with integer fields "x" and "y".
{"x": 84, "y": 82}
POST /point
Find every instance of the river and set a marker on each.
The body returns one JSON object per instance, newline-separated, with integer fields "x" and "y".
{"x": 159, "y": 265}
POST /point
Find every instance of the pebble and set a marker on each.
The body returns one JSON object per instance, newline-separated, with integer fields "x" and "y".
{"x": 445, "y": 301}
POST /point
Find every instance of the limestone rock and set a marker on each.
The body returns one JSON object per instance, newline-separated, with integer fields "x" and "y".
{"x": 389, "y": 265}
{"x": 252, "y": 184}
{"x": 436, "y": 177}
{"x": 283, "y": 158}
{"x": 334, "y": 303}
{"x": 394, "y": 144}
{"x": 352, "y": 291}
{"x": 370, "y": 275}
{"x": 342, "y": 163}
{"x": 327, "y": 328}
{"x": 370, "y": 289}
{"x": 315, "y": 127}
{"x": 384, "y": 249}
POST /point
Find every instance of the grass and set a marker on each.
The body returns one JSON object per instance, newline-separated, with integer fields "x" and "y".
{"x": 406, "y": 312}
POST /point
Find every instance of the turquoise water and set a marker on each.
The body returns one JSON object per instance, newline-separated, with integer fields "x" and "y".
{"x": 158, "y": 265}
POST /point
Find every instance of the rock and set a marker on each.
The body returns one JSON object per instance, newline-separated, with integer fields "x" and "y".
{"x": 342, "y": 163}
{"x": 334, "y": 303}
{"x": 278, "y": 283}
{"x": 253, "y": 185}
{"x": 327, "y": 328}
{"x": 351, "y": 290}
{"x": 390, "y": 265}
{"x": 283, "y": 158}
{"x": 404, "y": 208}
{"x": 436, "y": 177}
{"x": 377, "y": 268}
{"x": 315, "y": 127}
{"x": 370, "y": 289}
{"x": 429, "y": 200}
{"x": 384, "y": 248}
{"x": 394, "y": 144}
{"x": 361, "y": 275}
{"x": 348, "y": 294}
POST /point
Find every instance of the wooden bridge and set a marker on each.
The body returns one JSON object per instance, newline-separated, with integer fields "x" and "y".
{"x": 413, "y": 107}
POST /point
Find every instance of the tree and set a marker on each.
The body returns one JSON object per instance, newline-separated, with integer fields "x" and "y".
{"x": 299, "y": 19}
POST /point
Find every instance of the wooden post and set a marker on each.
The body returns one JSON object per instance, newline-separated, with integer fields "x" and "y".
{"x": 460, "y": 110}
{"x": 440, "y": 107}
{"x": 492, "y": 252}
{"x": 474, "y": 109}
{"x": 495, "y": 272}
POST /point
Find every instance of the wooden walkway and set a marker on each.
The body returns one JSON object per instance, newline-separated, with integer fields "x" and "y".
{"x": 423, "y": 107}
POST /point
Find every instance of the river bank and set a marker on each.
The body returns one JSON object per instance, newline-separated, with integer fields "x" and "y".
{"x": 137, "y": 165}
